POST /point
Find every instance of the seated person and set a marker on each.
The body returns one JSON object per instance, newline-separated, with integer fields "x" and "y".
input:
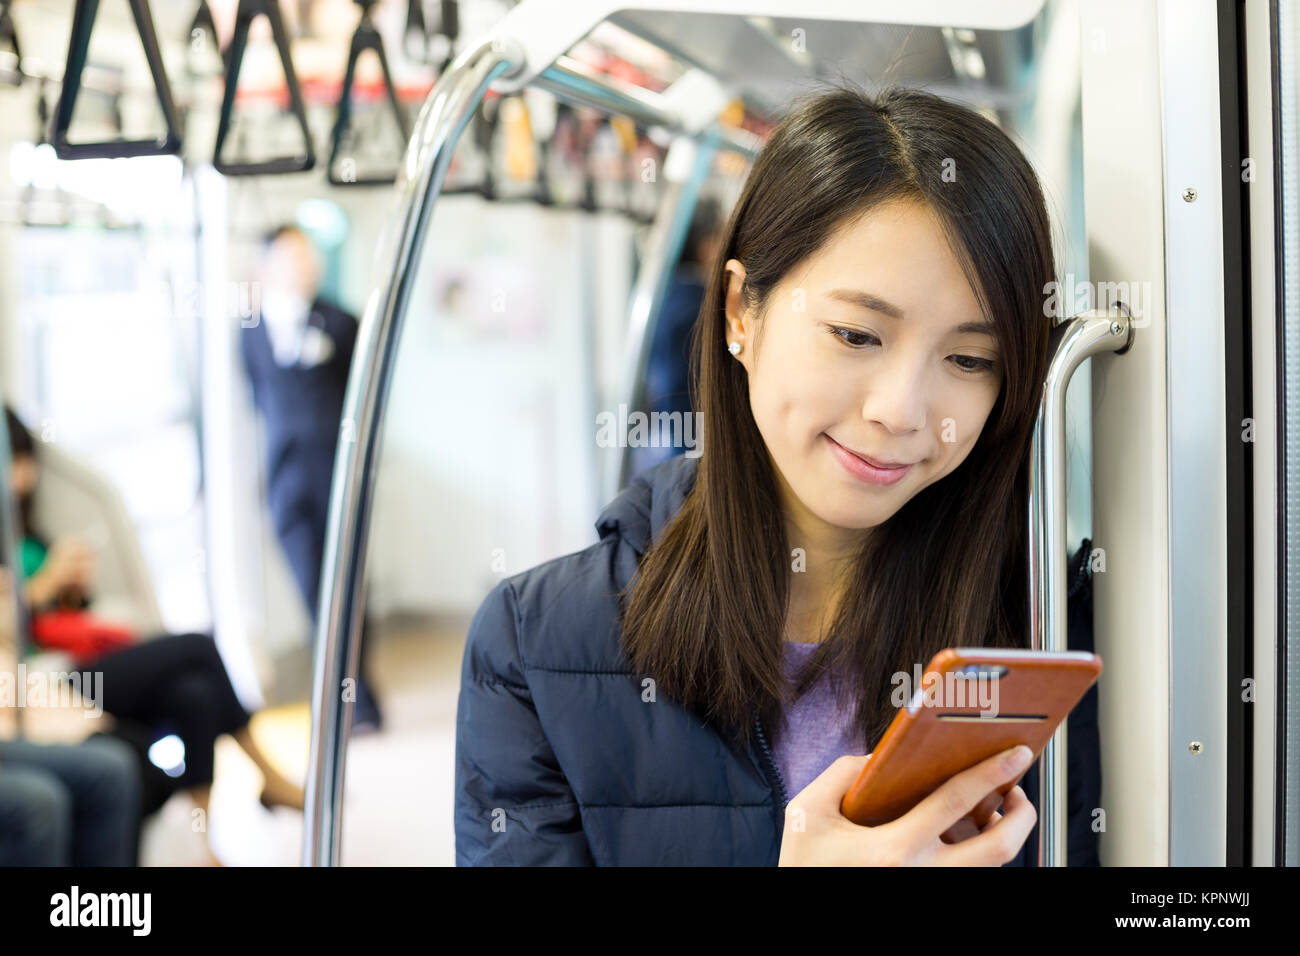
{"x": 176, "y": 683}
{"x": 66, "y": 805}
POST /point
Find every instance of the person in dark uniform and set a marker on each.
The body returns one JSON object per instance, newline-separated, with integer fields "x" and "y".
{"x": 297, "y": 356}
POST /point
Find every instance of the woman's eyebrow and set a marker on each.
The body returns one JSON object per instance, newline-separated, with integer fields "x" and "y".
{"x": 866, "y": 300}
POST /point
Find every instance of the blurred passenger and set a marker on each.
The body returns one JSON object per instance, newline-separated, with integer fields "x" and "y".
{"x": 667, "y": 383}
{"x": 298, "y": 356}
{"x": 173, "y": 683}
{"x": 68, "y": 804}
{"x": 64, "y": 805}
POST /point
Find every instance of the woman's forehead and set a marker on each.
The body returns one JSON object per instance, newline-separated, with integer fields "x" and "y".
{"x": 900, "y": 267}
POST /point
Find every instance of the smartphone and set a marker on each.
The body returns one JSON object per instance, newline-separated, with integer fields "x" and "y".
{"x": 972, "y": 703}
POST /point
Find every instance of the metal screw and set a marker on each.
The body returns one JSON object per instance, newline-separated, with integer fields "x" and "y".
{"x": 1116, "y": 328}
{"x": 1189, "y": 195}
{"x": 1195, "y": 746}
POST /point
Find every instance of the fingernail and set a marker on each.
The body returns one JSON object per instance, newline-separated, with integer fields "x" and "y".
{"x": 1019, "y": 757}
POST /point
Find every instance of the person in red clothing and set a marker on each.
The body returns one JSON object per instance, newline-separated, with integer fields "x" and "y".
{"x": 63, "y": 804}
{"x": 173, "y": 684}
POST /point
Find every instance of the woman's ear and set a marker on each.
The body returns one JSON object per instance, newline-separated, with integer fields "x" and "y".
{"x": 738, "y": 325}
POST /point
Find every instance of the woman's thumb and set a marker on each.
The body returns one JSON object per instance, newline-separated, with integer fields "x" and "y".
{"x": 829, "y": 787}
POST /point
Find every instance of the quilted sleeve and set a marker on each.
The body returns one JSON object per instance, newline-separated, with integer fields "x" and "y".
{"x": 513, "y": 805}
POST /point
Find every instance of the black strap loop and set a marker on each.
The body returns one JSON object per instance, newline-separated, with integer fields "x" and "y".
{"x": 248, "y": 11}
{"x": 366, "y": 37}
{"x": 83, "y": 22}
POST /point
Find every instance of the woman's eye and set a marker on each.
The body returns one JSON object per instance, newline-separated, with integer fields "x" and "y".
{"x": 971, "y": 364}
{"x": 853, "y": 338}
{"x": 979, "y": 364}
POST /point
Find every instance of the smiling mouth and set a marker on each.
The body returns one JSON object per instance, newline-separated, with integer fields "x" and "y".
{"x": 875, "y": 462}
{"x": 866, "y": 469}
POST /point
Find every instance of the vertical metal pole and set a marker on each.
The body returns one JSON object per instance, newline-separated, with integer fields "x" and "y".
{"x": 663, "y": 249}
{"x": 443, "y": 118}
{"x": 1072, "y": 342}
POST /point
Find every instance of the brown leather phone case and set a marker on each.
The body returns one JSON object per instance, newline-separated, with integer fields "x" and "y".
{"x": 933, "y": 738}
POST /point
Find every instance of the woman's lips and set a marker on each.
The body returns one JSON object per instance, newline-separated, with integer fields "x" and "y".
{"x": 864, "y": 470}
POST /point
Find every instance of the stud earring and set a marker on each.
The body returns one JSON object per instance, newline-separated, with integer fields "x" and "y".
{"x": 734, "y": 348}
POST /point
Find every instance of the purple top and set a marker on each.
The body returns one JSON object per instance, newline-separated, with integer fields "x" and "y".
{"x": 816, "y": 732}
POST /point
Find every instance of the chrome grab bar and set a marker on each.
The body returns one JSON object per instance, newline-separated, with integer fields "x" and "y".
{"x": 442, "y": 119}
{"x": 1073, "y": 341}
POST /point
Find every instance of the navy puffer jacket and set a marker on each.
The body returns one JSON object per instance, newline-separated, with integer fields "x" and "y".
{"x": 559, "y": 760}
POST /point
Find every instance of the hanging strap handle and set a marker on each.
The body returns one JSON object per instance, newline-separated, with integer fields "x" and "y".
{"x": 366, "y": 37}
{"x": 83, "y": 22}
{"x": 248, "y": 11}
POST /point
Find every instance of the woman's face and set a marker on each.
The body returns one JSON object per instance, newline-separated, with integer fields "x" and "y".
{"x": 23, "y": 475}
{"x": 862, "y": 351}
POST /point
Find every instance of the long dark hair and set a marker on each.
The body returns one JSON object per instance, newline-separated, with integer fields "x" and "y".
{"x": 705, "y": 613}
{"x": 21, "y": 443}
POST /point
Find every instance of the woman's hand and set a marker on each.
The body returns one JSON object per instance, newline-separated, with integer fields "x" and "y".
{"x": 956, "y": 825}
{"x": 70, "y": 562}
{"x": 73, "y": 560}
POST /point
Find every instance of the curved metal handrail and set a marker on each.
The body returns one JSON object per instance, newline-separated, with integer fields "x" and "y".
{"x": 442, "y": 119}
{"x": 1072, "y": 341}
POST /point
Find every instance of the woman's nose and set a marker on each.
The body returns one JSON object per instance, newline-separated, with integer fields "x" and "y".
{"x": 897, "y": 396}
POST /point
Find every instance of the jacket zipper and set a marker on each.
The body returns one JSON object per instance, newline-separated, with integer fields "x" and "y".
{"x": 776, "y": 771}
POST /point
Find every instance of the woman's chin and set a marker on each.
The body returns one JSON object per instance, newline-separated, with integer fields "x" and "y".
{"x": 849, "y": 515}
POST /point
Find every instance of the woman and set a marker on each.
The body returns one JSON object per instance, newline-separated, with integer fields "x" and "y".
{"x": 174, "y": 683}
{"x": 730, "y": 644}
{"x": 63, "y": 804}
